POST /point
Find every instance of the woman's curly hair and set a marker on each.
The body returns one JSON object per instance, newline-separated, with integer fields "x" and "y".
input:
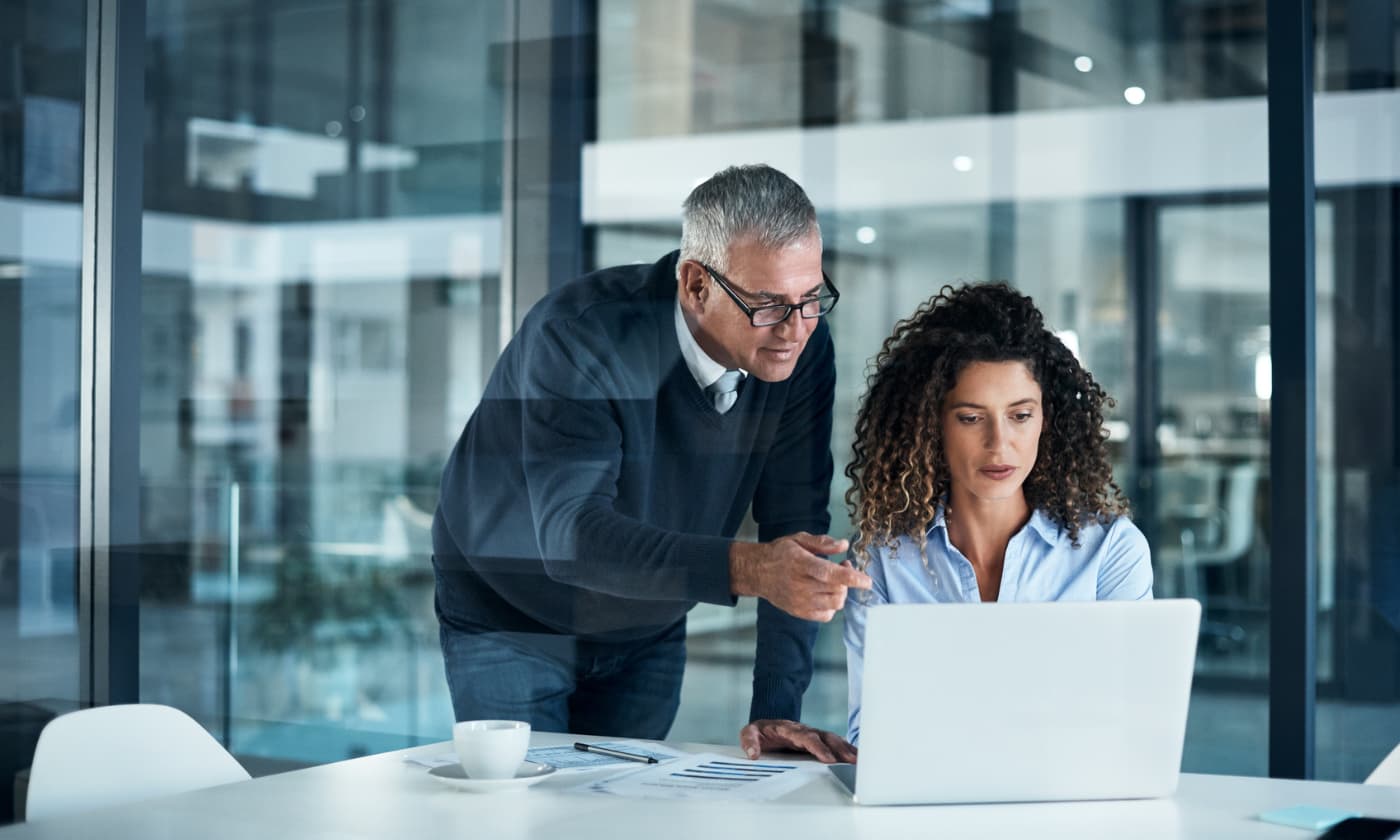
{"x": 898, "y": 473}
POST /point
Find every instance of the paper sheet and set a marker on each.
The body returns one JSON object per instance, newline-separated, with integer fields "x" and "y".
{"x": 565, "y": 758}
{"x": 709, "y": 776}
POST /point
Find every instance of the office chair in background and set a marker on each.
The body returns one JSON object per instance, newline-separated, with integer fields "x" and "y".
{"x": 1211, "y": 509}
{"x": 112, "y": 755}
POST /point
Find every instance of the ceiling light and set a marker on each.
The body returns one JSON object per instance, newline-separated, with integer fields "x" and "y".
{"x": 1083, "y": 64}
{"x": 865, "y": 234}
{"x": 1135, "y": 95}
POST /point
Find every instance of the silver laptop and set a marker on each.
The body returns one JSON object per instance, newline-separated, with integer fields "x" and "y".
{"x": 1023, "y": 702}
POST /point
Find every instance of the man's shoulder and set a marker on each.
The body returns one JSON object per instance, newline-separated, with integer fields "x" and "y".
{"x": 608, "y": 294}
{"x": 605, "y": 330}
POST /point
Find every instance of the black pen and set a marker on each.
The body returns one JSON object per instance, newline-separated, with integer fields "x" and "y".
{"x": 593, "y": 748}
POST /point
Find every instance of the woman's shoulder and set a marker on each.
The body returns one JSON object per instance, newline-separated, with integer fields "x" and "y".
{"x": 883, "y": 558}
{"x": 907, "y": 546}
{"x": 1123, "y": 559}
{"x": 1110, "y": 532}
{"x": 1117, "y": 542}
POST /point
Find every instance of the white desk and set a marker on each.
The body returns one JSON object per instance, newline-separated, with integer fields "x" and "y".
{"x": 382, "y": 796}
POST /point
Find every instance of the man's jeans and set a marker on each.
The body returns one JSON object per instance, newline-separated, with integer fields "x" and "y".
{"x": 565, "y": 684}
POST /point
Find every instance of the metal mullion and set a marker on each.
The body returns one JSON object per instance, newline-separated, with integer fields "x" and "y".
{"x": 550, "y": 90}
{"x": 572, "y": 98}
{"x": 1140, "y": 231}
{"x": 510, "y": 154}
{"x": 86, "y": 360}
{"x": 1292, "y": 438}
{"x": 109, "y": 463}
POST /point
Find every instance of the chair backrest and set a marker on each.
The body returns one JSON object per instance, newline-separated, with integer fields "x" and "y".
{"x": 1241, "y": 490}
{"x": 408, "y": 531}
{"x": 1190, "y": 487}
{"x": 1388, "y": 771}
{"x": 116, "y": 754}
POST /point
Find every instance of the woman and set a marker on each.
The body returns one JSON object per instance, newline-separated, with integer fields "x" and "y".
{"x": 981, "y": 469}
{"x": 981, "y": 473}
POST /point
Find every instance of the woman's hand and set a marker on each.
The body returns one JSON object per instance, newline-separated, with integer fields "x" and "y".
{"x": 765, "y": 735}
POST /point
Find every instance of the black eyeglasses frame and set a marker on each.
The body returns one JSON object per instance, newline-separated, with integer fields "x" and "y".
{"x": 753, "y": 312}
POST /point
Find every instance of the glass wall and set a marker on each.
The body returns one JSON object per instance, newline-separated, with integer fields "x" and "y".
{"x": 323, "y": 297}
{"x": 321, "y": 302}
{"x": 1108, "y": 160}
{"x": 41, "y": 166}
{"x": 1358, "y": 404}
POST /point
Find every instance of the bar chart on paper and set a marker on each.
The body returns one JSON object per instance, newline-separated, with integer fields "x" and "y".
{"x": 710, "y": 776}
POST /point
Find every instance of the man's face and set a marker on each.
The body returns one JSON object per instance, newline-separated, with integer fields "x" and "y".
{"x": 759, "y": 277}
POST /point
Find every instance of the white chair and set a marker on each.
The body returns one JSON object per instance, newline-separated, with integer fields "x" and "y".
{"x": 1188, "y": 498}
{"x": 408, "y": 531}
{"x": 1237, "y": 524}
{"x": 1215, "y": 528}
{"x": 111, "y": 755}
{"x": 1388, "y": 771}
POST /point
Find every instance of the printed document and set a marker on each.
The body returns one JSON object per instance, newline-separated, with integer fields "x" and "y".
{"x": 709, "y": 776}
{"x": 565, "y": 758}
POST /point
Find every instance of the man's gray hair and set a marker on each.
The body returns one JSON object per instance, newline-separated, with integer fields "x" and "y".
{"x": 755, "y": 201}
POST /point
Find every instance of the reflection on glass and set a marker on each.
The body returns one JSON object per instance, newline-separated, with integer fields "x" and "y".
{"x": 321, "y": 299}
{"x": 1022, "y": 141}
{"x": 1358, "y": 398}
{"x": 41, "y": 134}
{"x": 1212, "y": 432}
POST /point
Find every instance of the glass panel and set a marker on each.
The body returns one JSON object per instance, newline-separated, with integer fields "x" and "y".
{"x": 41, "y": 167}
{"x": 1358, "y": 398}
{"x": 1210, "y": 489}
{"x": 950, "y": 142}
{"x": 321, "y": 301}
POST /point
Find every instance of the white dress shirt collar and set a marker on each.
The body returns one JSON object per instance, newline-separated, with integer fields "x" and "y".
{"x": 706, "y": 371}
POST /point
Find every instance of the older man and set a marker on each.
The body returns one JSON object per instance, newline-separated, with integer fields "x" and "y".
{"x": 594, "y": 495}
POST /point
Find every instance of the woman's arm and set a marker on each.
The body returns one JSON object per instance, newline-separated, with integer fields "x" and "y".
{"x": 1125, "y": 567}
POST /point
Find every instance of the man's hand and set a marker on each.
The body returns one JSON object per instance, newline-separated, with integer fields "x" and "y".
{"x": 765, "y": 735}
{"x": 794, "y": 574}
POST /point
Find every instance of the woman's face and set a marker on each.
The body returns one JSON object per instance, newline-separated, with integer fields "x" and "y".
{"x": 991, "y": 429}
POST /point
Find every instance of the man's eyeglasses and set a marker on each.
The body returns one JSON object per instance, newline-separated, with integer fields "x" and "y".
{"x": 773, "y": 314}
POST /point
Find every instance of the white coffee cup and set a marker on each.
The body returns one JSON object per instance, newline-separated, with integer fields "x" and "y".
{"x": 491, "y": 749}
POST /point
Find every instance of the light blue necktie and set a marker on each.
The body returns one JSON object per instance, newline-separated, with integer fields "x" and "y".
{"x": 725, "y": 390}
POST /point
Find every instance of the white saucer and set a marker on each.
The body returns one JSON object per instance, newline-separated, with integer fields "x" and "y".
{"x": 529, "y": 773}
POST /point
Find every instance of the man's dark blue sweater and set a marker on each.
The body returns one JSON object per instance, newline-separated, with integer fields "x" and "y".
{"x": 595, "y": 491}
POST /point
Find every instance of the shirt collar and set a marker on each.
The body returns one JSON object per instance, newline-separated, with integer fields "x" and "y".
{"x": 1046, "y": 527}
{"x": 1041, "y": 523}
{"x": 706, "y": 371}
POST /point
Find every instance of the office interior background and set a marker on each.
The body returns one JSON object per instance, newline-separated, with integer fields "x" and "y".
{"x": 344, "y": 207}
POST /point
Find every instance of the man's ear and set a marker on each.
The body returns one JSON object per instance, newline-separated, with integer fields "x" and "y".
{"x": 693, "y": 285}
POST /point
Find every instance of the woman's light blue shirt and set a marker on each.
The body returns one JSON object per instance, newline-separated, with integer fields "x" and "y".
{"x": 1112, "y": 562}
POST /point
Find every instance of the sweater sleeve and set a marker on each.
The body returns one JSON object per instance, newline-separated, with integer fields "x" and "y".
{"x": 572, "y": 440}
{"x": 793, "y": 493}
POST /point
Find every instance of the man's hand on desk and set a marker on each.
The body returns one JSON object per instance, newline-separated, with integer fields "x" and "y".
{"x": 767, "y": 735}
{"x": 794, "y": 574}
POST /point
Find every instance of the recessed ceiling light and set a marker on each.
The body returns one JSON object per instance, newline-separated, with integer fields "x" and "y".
{"x": 865, "y": 234}
{"x": 1083, "y": 64}
{"x": 1135, "y": 95}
